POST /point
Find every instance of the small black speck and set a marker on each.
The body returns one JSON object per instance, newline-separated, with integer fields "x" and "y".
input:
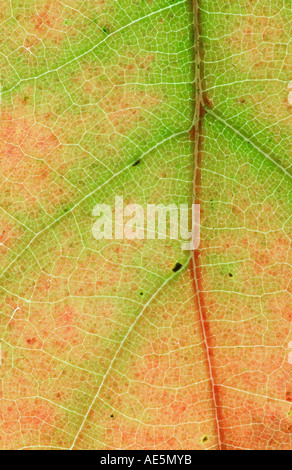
{"x": 105, "y": 30}
{"x": 112, "y": 416}
{"x": 205, "y": 438}
{"x": 177, "y": 267}
{"x": 230, "y": 275}
{"x": 137, "y": 162}
{"x": 141, "y": 293}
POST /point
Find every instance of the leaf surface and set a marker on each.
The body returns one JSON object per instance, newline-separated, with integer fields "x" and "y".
{"x": 103, "y": 345}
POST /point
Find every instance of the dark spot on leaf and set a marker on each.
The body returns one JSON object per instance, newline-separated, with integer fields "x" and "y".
{"x": 106, "y": 30}
{"x": 137, "y": 162}
{"x": 177, "y": 267}
{"x": 112, "y": 416}
{"x": 205, "y": 439}
{"x": 230, "y": 275}
{"x": 141, "y": 293}
{"x": 31, "y": 340}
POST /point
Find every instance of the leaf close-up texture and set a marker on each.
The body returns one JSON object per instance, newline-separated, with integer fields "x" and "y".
{"x": 135, "y": 344}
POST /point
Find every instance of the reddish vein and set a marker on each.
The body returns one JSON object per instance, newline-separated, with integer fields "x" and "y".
{"x": 201, "y": 103}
